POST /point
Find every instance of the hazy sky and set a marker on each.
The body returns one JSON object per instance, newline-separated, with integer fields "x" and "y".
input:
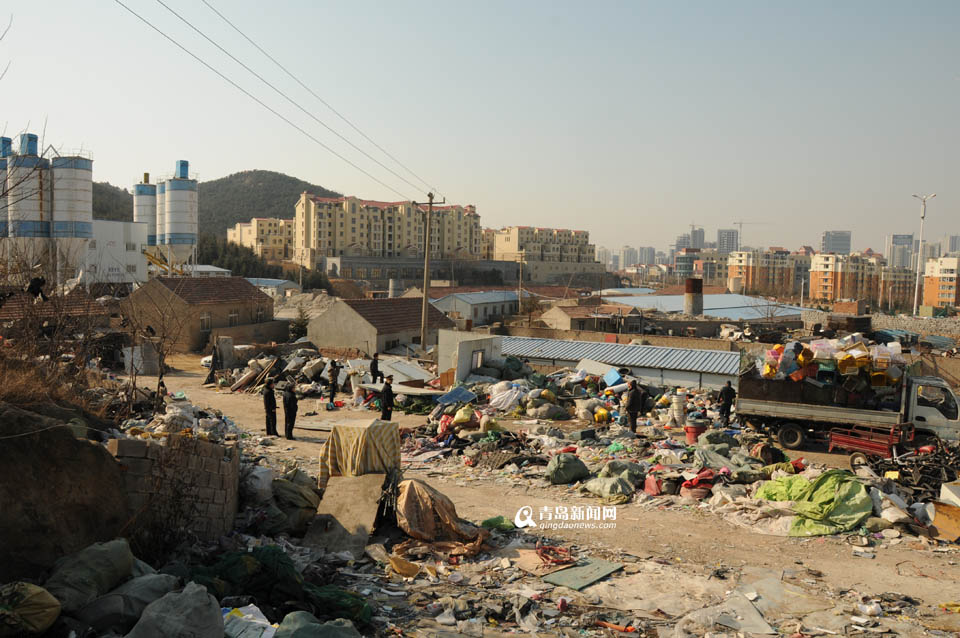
{"x": 627, "y": 119}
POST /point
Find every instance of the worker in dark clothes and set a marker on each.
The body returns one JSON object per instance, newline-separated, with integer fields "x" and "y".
{"x": 386, "y": 399}
{"x": 289, "y": 410}
{"x": 727, "y": 395}
{"x": 635, "y": 401}
{"x": 334, "y": 376}
{"x": 375, "y": 369}
{"x": 270, "y": 408}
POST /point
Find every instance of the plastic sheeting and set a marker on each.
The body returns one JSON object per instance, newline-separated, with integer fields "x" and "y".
{"x": 834, "y": 502}
{"x": 355, "y": 450}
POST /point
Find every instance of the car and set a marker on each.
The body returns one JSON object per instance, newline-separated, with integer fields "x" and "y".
{"x": 207, "y": 361}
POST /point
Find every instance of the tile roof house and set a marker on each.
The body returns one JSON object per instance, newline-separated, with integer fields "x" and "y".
{"x": 191, "y": 311}
{"x": 374, "y": 325}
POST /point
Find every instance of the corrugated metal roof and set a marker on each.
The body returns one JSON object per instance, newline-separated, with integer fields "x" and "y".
{"x": 617, "y": 354}
{"x": 495, "y": 296}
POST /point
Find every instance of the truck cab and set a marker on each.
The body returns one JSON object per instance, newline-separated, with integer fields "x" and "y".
{"x": 933, "y": 408}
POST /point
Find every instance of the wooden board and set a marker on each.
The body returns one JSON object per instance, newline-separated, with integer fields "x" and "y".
{"x": 346, "y": 514}
{"x": 946, "y": 522}
{"x": 589, "y": 571}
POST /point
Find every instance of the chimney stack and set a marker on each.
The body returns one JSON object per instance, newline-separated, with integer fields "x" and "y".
{"x": 693, "y": 297}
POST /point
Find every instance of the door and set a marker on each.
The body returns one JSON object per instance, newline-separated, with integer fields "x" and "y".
{"x": 935, "y": 409}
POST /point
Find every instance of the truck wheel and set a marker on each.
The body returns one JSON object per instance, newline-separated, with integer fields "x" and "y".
{"x": 791, "y": 436}
{"x": 857, "y": 459}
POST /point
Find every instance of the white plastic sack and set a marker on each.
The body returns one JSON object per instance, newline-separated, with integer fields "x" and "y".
{"x": 259, "y": 485}
{"x": 192, "y": 612}
{"x": 119, "y": 610}
{"x": 507, "y": 400}
{"x": 78, "y": 579}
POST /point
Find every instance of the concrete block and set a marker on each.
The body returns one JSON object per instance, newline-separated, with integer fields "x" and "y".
{"x": 205, "y": 494}
{"x": 154, "y": 452}
{"x": 127, "y": 447}
{"x": 581, "y": 435}
{"x": 194, "y": 462}
{"x": 225, "y": 467}
{"x": 138, "y": 466}
{"x": 210, "y": 465}
{"x": 220, "y": 497}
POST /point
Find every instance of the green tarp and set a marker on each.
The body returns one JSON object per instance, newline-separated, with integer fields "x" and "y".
{"x": 835, "y": 502}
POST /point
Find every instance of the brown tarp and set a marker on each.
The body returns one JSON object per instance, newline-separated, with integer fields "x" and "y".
{"x": 431, "y": 521}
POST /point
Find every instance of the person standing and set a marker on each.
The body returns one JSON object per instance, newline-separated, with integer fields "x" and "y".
{"x": 289, "y": 411}
{"x": 334, "y": 376}
{"x": 375, "y": 369}
{"x": 386, "y": 399}
{"x": 727, "y": 395}
{"x": 635, "y": 400}
{"x": 270, "y": 408}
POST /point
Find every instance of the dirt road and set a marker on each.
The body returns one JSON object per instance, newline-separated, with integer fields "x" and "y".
{"x": 685, "y": 536}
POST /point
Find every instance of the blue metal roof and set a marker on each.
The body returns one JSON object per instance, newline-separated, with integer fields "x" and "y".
{"x": 617, "y": 354}
{"x": 493, "y": 296}
{"x": 266, "y": 281}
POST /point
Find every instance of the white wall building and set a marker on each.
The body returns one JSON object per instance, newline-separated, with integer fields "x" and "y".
{"x": 115, "y": 253}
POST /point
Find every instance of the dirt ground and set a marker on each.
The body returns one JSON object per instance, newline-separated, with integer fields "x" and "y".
{"x": 681, "y": 536}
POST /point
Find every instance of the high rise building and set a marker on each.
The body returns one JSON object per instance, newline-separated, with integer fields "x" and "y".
{"x": 269, "y": 237}
{"x": 836, "y": 242}
{"x": 683, "y": 241}
{"x": 728, "y": 240}
{"x": 603, "y": 256}
{"x": 348, "y": 226}
{"x": 614, "y": 262}
{"x": 898, "y": 250}
{"x": 628, "y": 256}
{"x": 547, "y": 254}
{"x": 647, "y": 255}
{"x": 940, "y": 282}
{"x": 950, "y": 244}
{"x": 696, "y": 238}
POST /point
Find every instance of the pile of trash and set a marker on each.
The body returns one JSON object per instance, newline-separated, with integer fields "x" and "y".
{"x": 104, "y": 590}
{"x": 180, "y": 416}
{"x": 851, "y": 361}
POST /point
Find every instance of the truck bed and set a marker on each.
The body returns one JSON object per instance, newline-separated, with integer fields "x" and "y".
{"x": 816, "y": 413}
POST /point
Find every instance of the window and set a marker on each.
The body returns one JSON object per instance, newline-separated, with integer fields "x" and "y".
{"x": 92, "y": 269}
{"x": 233, "y": 319}
{"x": 92, "y": 244}
{"x": 206, "y": 325}
{"x": 132, "y": 268}
{"x": 261, "y": 313}
{"x": 939, "y": 398}
{"x": 131, "y": 247}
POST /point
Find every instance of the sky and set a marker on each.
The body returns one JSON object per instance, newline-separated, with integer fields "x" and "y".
{"x": 630, "y": 120}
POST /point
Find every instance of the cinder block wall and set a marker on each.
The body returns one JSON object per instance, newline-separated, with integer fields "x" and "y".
{"x": 205, "y": 475}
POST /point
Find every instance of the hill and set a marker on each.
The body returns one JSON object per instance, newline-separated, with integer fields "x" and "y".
{"x": 223, "y": 202}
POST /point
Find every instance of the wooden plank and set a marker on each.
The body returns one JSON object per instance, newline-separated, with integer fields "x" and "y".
{"x": 946, "y": 521}
{"x": 347, "y": 514}
{"x": 589, "y": 571}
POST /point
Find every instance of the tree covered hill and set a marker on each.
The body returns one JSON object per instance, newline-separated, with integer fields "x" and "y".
{"x": 223, "y": 202}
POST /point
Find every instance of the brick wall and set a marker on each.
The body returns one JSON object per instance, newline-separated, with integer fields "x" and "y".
{"x": 204, "y": 475}
{"x": 590, "y": 335}
{"x": 949, "y": 327}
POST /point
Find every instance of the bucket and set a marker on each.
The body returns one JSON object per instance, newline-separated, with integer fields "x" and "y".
{"x": 694, "y": 432}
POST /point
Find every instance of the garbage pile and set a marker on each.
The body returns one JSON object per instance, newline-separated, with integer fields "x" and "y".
{"x": 870, "y": 374}
{"x": 180, "y": 416}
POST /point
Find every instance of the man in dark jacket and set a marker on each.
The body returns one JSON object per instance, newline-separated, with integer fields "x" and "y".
{"x": 386, "y": 399}
{"x": 634, "y": 403}
{"x": 334, "y": 377}
{"x": 727, "y": 395}
{"x": 270, "y": 408}
{"x": 289, "y": 410}
{"x": 375, "y": 369}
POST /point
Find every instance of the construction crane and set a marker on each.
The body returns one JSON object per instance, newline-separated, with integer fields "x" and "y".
{"x": 740, "y": 231}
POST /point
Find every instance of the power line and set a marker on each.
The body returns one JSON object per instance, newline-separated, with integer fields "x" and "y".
{"x": 259, "y": 101}
{"x": 320, "y": 99}
{"x": 288, "y": 98}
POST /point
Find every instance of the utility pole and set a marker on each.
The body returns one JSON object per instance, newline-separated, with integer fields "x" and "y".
{"x": 426, "y": 270}
{"x": 923, "y": 215}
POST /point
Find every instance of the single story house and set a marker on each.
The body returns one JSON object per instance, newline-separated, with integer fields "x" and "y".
{"x": 275, "y": 287}
{"x": 374, "y": 325}
{"x": 193, "y": 311}
{"x": 613, "y": 317}
{"x": 480, "y": 307}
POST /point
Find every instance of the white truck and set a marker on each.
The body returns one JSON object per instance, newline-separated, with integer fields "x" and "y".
{"x": 791, "y": 410}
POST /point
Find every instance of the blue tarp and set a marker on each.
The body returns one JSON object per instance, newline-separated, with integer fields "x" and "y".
{"x": 937, "y": 342}
{"x": 458, "y": 395}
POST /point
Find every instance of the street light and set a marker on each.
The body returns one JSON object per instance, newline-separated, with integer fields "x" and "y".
{"x": 923, "y": 215}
